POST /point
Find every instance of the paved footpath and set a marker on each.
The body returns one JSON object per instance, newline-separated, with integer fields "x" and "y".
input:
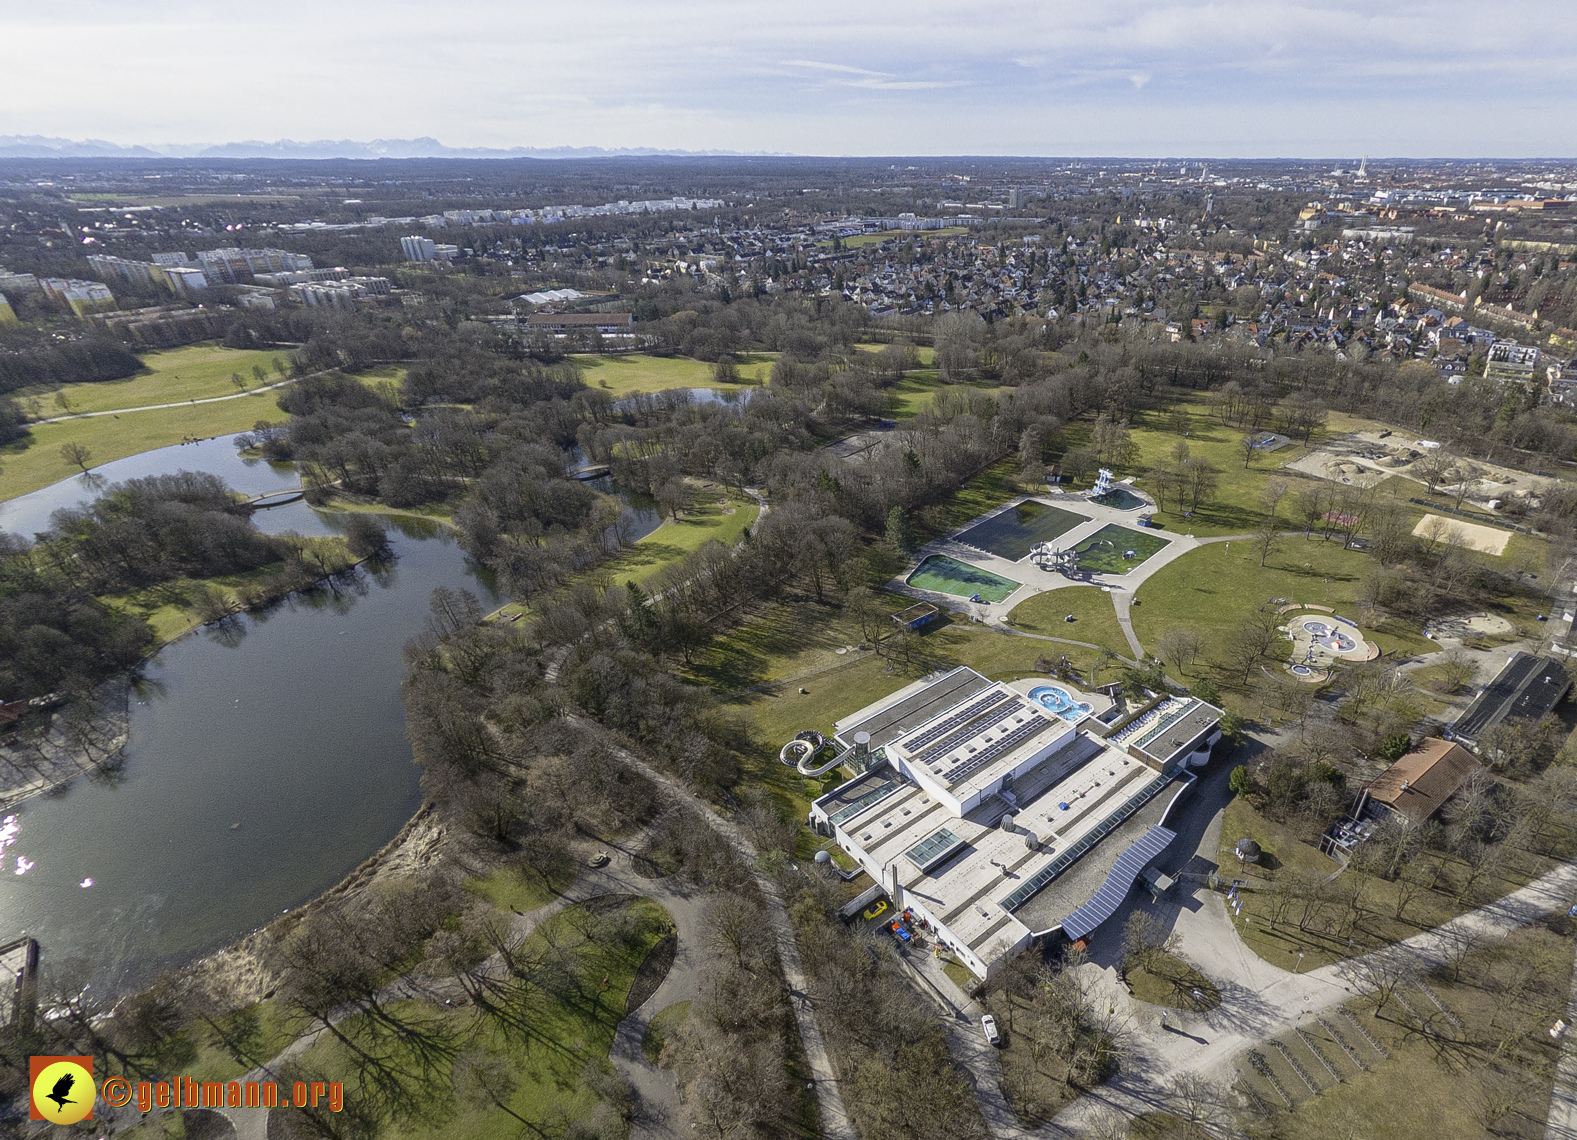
{"x": 177, "y": 404}
{"x": 1561, "y": 1123}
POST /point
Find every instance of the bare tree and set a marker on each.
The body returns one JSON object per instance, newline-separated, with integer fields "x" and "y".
{"x": 1179, "y": 647}
{"x": 77, "y": 455}
{"x": 1381, "y": 974}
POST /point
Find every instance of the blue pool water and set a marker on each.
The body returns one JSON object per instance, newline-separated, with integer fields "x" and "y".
{"x": 1060, "y": 702}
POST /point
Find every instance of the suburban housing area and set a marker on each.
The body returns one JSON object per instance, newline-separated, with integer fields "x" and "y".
{"x": 792, "y": 647}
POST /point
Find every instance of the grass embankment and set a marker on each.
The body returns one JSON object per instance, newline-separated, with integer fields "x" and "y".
{"x": 1095, "y": 619}
{"x": 571, "y": 1027}
{"x": 196, "y": 372}
{"x": 1492, "y": 1075}
{"x": 714, "y": 514}
{"x": 621, "y": 375}
{"x": 1328, "y": 929}
{"x": 1213, "y": 590}
{"x": 35, "y": 461}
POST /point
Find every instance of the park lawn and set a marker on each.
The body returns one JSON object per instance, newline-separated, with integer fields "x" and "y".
{"x": 663, "y": 1025}
{"x": 382, "y": 374}
{"x": 1172, "y": 984}
{"x": 776, "y": 649}
{"x": 1214, "y": 589}
{"x": 912, "y": 395}
{"x": 1427, "y": 1089}
{"x": 1236, "y": 507}
{"x": 859, "y": 240}
{"x": 196, "y": 372}
{"x": 924, "y": 352}
{"x": 429, "y": 512}
{"x": 670, "y": 543}
{"x": 508, "y": 888}
{"x": 168, "y": 606}
{"x": 35, "y": 461}
{"x": 713, "y": 516}
{"x": 1324, "y": 942}
{"x": 620, "y": 375}
{"x": 213, "y": 1063}
{"x": 1095, "y": 617}
{"x": 568, "y": 1032}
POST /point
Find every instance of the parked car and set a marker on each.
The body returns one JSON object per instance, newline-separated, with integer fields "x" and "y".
{"x": 989, "y": 1024}
{"x": 876, "y": 909}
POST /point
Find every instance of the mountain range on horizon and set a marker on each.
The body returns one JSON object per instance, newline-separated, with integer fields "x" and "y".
{"x": 41, "y": 146}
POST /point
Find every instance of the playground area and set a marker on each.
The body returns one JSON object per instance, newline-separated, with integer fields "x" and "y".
{"x": 1321, "y": 639}
{"x": 945, "y": 575}
{"x": 1014, "y": 532}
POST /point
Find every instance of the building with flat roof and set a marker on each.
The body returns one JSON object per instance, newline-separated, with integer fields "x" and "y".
{"x": 1527, "y": 689}
{"x": 976, "y": 796}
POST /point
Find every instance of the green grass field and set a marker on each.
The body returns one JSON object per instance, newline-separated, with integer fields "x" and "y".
{"x": 568, "y": 1031}
{"x": 923, "y": 352}
{"x": 196, "y": 372}
{"x": 716, "y": 514}
{"x": 35, "y": 461}
{"x": 1214, "y": 589}
{"x": 1095, "y": 619}
{"x": 860, "y": 240}
{"x": 913, "y": 394}
{"x": 636, "y": 372}
{"x": 508, "y": 889}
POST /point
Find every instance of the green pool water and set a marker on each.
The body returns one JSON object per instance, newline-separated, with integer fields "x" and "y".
{"x": 949, "y": 576}
{"x": 1103, "y": 551}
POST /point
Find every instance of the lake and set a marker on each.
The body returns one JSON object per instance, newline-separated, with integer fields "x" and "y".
{"x": 286, "y": 723}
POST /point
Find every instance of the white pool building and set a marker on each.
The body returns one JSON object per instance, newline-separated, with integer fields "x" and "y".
{"x": 978, "y": 799}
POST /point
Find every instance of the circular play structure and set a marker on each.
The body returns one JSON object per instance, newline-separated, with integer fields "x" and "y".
{"x": 1330, "y": 637}
{"x": 1321, "y": 640}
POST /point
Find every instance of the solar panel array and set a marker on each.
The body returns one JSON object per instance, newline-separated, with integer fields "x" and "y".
{"x": 971, "y": 730}
{"x": 1130, "y": 865}
{"x": 933, "y": 849}
{"x": 1036, "y": 723}
{"x": 1082, "y": 845}
{"x": 947, "y": 724}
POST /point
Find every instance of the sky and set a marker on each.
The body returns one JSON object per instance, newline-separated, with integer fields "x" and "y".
{"x": 1246, "y": 78}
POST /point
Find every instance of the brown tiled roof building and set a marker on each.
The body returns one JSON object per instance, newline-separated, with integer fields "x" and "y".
{"x": 1419, "y": 784}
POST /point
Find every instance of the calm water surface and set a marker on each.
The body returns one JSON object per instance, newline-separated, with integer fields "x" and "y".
{"x": 286, "y": 723}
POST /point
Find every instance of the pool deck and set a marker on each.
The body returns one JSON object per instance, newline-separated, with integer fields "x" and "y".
{"x": 1037, "y": 581}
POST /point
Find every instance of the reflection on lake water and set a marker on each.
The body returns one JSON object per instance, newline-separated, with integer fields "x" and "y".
{"x": 267, "y": 759}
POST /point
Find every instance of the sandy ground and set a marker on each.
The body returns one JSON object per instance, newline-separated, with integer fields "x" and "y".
{"x": 1484, "y": 539}
{"x": 239, "y": 974}
{"x": 1364, "y": 458}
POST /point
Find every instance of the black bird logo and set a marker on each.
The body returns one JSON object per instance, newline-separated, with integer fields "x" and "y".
{"x": 60, "y": 1093}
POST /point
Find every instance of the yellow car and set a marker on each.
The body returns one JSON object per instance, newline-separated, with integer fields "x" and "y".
{"x": 877, "y": 909}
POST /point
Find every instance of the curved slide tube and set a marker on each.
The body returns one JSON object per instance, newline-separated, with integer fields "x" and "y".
{"x": 808, "y": 752}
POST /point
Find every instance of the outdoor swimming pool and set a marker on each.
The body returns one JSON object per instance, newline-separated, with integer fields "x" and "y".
{"x": 949, "y": 576}
{"x": 1119, "y": 498}
{"x": 1060, "y": 702}
{"x": 1107, "y": 550}
{"x": 1016, "y": 530}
